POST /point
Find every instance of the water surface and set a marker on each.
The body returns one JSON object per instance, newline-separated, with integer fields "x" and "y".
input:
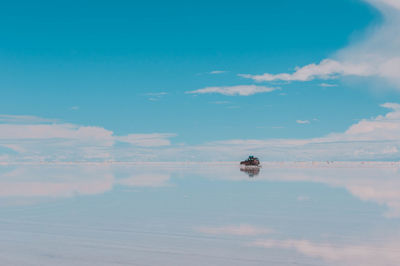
{"x": 200, "y": 214}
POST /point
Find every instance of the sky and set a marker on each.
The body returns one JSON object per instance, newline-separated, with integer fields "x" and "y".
{"x": 204, "y": 81}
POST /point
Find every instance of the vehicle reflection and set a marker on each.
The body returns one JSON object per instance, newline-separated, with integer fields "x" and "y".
{"x": 252, "y": 171}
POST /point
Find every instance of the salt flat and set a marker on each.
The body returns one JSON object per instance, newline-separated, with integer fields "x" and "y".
{"x": 303, "y": 213}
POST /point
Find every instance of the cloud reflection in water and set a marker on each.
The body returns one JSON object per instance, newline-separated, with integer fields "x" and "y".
{"x": 184, "y": 211}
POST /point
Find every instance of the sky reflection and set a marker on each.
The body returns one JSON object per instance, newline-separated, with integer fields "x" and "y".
{"x": 308, "y": 213}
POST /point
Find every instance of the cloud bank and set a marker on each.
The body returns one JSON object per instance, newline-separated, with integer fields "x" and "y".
{"x": 40, "y": 139}
{"x": 369, "y": 139}
{"x": 376, "y": 138}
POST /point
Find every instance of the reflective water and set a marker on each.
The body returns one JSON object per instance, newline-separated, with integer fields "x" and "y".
{"x": 200, "y": 214}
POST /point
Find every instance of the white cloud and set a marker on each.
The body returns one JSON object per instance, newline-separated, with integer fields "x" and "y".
{"x": 147, "y": 140}
{"x": 374, "y": 139}
{"x": 67, "y": 180}
{"x": 156, "y": 96}
{"x": 368, "y": 181}
{"x": 236, "y": 230}
{"x": 55, "y": 181}
{"x": 328, "y": 85}
{"x": 385, "y": 253}
{"x": 302, "y": 122}
{"x": 393, "y": 106}
{"x": 374, "y": 182}
{"x": 242, "y": 90}
{"x": 359, "y": 179}
{"x": 327, "y": 69}
{"x": 218, "y": 72}
{"x": 386, "y": 5}
{"x": 37, "y": 139}
{"x": 376, "y": 55}
{"x": 54, "y": 131}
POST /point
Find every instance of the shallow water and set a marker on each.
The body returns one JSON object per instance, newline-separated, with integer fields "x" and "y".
{"x": 200, "y": 214}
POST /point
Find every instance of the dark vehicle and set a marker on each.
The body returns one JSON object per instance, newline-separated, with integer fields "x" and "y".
{"x": 251, "y": 161}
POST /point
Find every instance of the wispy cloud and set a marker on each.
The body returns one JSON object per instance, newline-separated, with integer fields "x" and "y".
{"x": 236, "y": 230}
{"x": 214, "y": 72}
{"x": 156, "y": 96}
{"x": 242, "y": 90}
{"x": 376, "y": 55}
{"x": 327, "y": 85}
{"x": 302, "y": 121}
{"x": 22, "y": 119}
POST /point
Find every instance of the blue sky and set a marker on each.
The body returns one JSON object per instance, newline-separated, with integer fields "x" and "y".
{"x": 138, "y": 70}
